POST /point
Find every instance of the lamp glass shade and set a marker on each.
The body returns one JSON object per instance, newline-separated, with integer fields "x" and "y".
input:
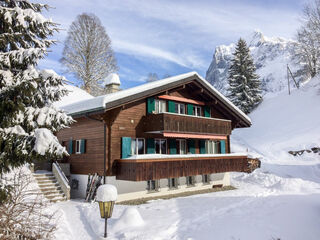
{"x": 106, "y": 209}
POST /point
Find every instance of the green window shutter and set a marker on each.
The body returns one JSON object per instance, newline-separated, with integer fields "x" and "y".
{"x": 191, "y": 145}
{"x": 171, "y": 106}
{"x": 126, "y": 147}
{"x": 150, "y": 105}
{"x": 206, "y": 111}
{"x": 83, "y": 146}
{"x": 172, "y": 146}
{"x": 222, "y": 146}
{"x": 190, "y": 109}
{"x": 70, "y": 147}
{"x": 202, "y": 146}
{"x": 150, "y": 146}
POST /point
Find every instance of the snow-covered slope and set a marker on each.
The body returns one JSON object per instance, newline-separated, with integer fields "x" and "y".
{"x": 271, "y": 56}
{"x": 283, "y": 123}
{"x": 75, "y": 94}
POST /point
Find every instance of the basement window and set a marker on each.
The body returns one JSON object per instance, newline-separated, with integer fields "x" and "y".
{"x": 173, "y": 183}
{"x": 190, "y": 181}
{"x": 206, "y": 179}
{"x": 153, "y": 185}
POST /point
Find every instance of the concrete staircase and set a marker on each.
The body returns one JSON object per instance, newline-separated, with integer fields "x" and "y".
{"x": 50, "y": 187}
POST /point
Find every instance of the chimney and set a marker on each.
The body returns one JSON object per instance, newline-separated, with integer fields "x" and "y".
{"x": 112, "y": 83}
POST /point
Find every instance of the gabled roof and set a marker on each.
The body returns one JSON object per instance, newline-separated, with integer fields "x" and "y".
{"x": 113, "y": 100}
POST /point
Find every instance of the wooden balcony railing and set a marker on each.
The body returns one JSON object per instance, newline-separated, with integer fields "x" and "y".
{"x": 151, "y": 169}
{"x": 169, "y": 122}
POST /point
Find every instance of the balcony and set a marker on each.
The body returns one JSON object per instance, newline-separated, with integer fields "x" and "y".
{"x": 165, "y": 166}
{"x": 171, "y": 122}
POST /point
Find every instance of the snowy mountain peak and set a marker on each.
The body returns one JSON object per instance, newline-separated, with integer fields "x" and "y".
{"x": 270, "y": 55}
{"x": 256, "y": 38}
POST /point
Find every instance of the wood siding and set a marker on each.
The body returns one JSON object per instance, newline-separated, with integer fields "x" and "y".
{"x": 92, "y": 160}
{"x": 186, "y": 124}
{"x": 151, "y": 169}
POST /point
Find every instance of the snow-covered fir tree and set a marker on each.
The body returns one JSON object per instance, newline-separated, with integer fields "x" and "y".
{"x": 28, "y": 119}
{"x": 244, "y": 84}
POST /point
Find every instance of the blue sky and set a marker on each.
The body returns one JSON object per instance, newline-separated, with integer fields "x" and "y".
{"x": 172, "y": 36}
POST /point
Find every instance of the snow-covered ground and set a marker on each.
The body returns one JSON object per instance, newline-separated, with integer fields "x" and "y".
{"x": 278, "y": 201}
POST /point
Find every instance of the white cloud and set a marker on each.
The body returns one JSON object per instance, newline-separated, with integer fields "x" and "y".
{"x": 183, "y": 32}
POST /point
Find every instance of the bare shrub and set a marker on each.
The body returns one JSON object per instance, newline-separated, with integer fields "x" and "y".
{"x": 24, "y": 215}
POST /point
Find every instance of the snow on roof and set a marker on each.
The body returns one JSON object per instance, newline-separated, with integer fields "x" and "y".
{"x": 112, "y": 78}
{"x": 75, "y": 95}
{"x": 100, "y": 103}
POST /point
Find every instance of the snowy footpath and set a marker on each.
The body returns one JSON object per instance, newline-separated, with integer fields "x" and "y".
{"x": 265, "y": 206}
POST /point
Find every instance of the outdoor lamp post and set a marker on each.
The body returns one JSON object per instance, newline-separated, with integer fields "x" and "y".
{"x": 106, "y": 197}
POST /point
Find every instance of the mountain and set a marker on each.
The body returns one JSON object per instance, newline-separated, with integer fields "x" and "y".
{"x": 271, "y": 56}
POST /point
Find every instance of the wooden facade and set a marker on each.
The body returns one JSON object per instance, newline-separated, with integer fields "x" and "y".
{"x": 132, "y": 120}
{"x": 142, "y": 170}
{"x": 167, "y": 122}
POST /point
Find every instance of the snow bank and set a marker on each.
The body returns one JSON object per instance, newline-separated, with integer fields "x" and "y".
{"x": 129, "y": 218}
{"x": 106, "y": 193}
{"x": 284, "y": 123}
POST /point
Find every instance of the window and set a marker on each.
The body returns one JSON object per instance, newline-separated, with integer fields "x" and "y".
{"x": 78, "y": 146}
{"x": 160, "y": 106}
{"x": 190, "y": 181}
{"x": 179, "y": 108}
{"x": 182, "y": 146}
{"x": 153, "y": 185}
{"x": 212, "y": 147}
{"x": 173, "y": 183}
{"x": 161, "y": 146}
{"x": 206, "y": 178}
{"x": 137, "y": 146}
{"x": 196, "y": 111}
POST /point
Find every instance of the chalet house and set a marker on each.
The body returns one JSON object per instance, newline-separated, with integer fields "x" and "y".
{"x": 163, "y": 137}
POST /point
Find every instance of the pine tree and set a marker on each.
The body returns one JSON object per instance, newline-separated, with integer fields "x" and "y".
{"x": 244, "y": 84}
{"x": 28, "y": 119}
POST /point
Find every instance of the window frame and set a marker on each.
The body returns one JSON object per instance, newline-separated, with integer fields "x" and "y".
{"x": 134, "y": 141}
{"x": 156, "y": 186}
{"x": 159, "y": 104}
{"x": 192, "y": 183}
{"x": 197, "y": 111}
{"x": 155, "y": 145}
{"x": 210, "y": 145}
{"x": 208, "y": 179}
{"x": 78, "y": 151}
{"x": 185, "y": 145}
{"x": 175, "y": 184}
{"x": 179, "y": 108}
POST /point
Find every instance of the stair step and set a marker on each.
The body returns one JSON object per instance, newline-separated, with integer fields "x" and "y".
{"x": 46, "y": 185}
{"x": 58, "y": 200}
{"x": 37, "y": 175}
{"x": 47, "y": 181}
{"x": 45, "y": 178}
{"x": 48, "y": 189}
{"x": 52, "y": 192}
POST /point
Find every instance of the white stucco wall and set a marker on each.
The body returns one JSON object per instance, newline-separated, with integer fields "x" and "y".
{"x": 128, "y": 190}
